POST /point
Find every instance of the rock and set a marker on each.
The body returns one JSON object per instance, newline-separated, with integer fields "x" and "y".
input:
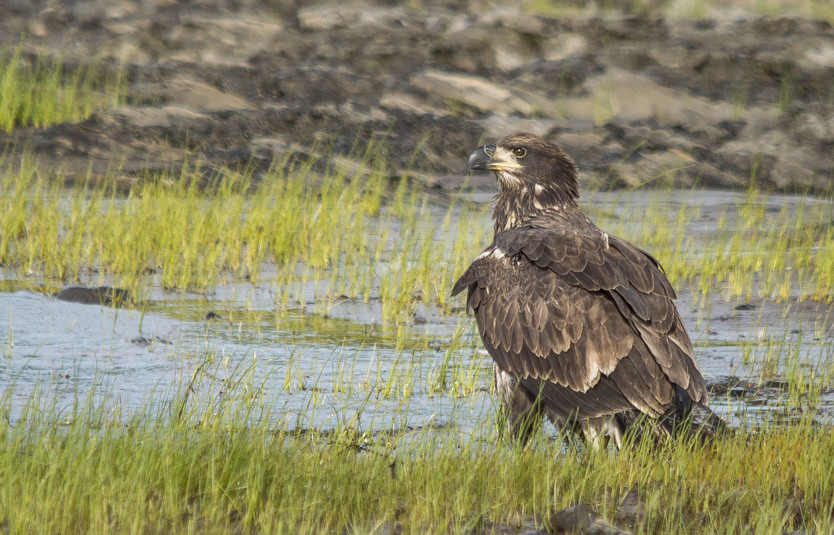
{"x": 199, "y": 97}
{"x": 409, "y": 104}
{"x": 579, "y": 144}
{"x": 575, "y": 519}
{"x": 220, "y": 40}
{"x": 153, "y": 117}
{"x": 325, "y": 18}
{"x": 103, "y": 295}
{"x": 821, "y": 56}
{"x": 581, "y": 519}
{"x": 496, "y": 125}
{"x": 600, "y": 527}
{"x": 331, "y": 17}
{"x": 144, "y": 341}
{"x": 631, "y": 510}
{"x": 476, "y": 92}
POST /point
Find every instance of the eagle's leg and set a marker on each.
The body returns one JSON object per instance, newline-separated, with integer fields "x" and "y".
{"x": 521, "y": 411}
{"x": 598, "y": 431}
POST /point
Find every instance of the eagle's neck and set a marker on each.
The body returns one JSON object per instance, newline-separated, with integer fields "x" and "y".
{"x": 515, "y": 206}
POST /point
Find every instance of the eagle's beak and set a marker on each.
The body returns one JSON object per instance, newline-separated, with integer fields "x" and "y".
{"x": 480, "y": 158}
{"x": 484, "y": 159}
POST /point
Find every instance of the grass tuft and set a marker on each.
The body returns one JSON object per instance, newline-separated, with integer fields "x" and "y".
{"x": 43, "y": 92}
{"x": 214, "y": 459}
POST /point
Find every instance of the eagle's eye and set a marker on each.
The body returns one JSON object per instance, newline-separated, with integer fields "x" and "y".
{"x": 520, "y": 152}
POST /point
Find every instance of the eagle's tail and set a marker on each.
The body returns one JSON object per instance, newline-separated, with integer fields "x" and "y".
{"x": 702, "y": 423}
{"x": 686, "y": 418}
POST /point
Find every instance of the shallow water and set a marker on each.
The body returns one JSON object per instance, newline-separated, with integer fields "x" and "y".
{"x": 314, "y": 371}
{"x": 321, "y": 371}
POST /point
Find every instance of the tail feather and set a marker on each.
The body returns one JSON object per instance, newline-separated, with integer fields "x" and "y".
{"x": 686, "y": 418}
{"x": 705, "y": 423}
{"x": 692, "y": 418}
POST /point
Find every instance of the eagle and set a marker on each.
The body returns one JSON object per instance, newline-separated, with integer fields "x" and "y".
{"x": 581, "y": 325}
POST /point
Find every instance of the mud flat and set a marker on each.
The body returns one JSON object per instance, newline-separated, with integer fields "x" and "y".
{"x": 716, "y": 97}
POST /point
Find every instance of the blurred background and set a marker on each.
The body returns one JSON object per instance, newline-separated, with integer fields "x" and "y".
{"x": 683, "y": 92}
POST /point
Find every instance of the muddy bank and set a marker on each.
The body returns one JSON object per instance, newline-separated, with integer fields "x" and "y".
{"x": 635, "y": 100}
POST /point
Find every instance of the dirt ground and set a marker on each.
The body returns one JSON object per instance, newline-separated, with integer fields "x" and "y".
{"x": 634, "y": 99}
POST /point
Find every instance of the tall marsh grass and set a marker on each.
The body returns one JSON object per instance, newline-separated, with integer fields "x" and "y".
{"x": 352, "y": 235}
{"x": 754, "y": 249}
{"x": 43, "y": 92}
{"x": 213, "y": 458}
{"x": 346, "y": 236}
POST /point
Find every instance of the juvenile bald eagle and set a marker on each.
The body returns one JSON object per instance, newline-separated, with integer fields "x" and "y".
{"x": 581, "y": 325}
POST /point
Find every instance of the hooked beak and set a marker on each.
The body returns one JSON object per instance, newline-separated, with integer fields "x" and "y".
{"x": 480, "y": 158}
{"x": 484, "y": 159}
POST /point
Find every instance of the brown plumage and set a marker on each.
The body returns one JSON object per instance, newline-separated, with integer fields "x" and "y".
{"x": 581, "y": 325}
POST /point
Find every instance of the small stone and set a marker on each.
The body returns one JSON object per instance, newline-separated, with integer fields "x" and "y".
{"x": 574, "y": 519}
{"x": 630, "y": 510}
{"x": 103, "y": 295}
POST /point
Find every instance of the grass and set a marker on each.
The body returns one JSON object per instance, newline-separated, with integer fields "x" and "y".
{"x": 352, "y": 236}
{"x": 820, "y": 9}
{"x": 47, "y": 92}
{"x": 756, "y": 249}
{"x": 328, "y": 442}
{"x": 213, "y": 458}
{"x": 182, "y": 231}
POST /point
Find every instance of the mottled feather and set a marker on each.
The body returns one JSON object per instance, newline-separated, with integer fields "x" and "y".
{"x": 581, "y": 318}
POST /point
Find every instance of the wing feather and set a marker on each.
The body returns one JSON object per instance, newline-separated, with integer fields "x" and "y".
{"x": 587, "y": 318}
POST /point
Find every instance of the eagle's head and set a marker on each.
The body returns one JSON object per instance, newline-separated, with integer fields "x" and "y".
{"x": 533, "y": 175}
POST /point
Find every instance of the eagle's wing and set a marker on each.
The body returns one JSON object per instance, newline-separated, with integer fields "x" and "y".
{"x": 585, "y": 317}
